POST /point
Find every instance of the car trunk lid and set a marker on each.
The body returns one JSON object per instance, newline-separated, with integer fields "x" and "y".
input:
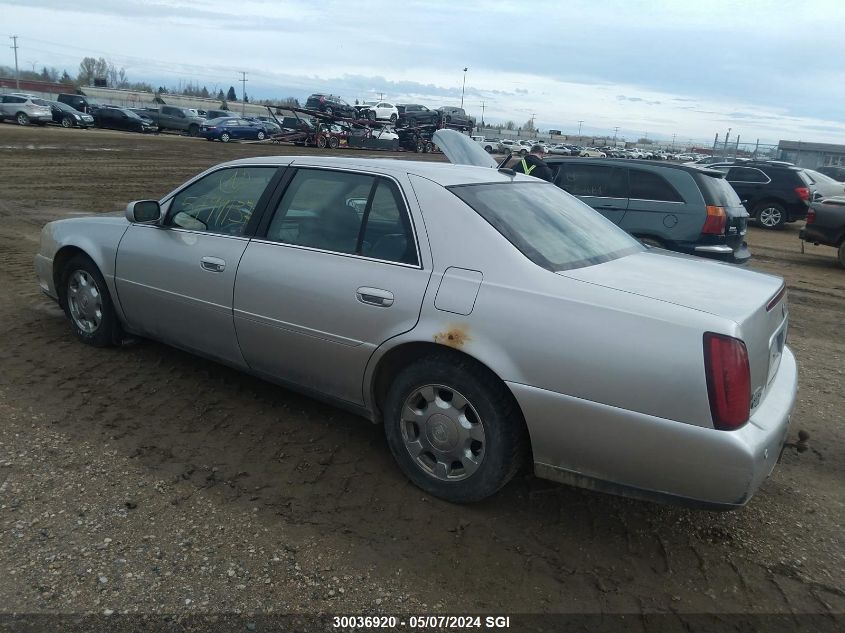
{"x": 756, "y": 302}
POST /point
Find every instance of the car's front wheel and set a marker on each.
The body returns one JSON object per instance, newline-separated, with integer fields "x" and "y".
{"x": 67, "y": 122}
{"x": 770, "y": 215}
{"x": 22, "y": 118}
{"x": 334, "y": 142}
{"x": 87, "y": 303}
{"x": 261, "y": 135}
{"x": 225, "y": 137}
{"x": 453, "y": 428}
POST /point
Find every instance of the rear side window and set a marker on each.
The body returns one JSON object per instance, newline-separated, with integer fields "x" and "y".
{"x": 14, "y": 100}
{"x": 717, "y": 191}
{"x": 746, "y": 174}
{"x": 592, "y": 180}
{"x": 646, "y": 185}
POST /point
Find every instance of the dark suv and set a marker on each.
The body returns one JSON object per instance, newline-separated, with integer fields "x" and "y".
{"x": 331, "y": 105}
{"x": 677, "y": 207}
{"x": 456, "y": 117}
{"x": 774, "y": 193}
{"x": 413, "y": 114}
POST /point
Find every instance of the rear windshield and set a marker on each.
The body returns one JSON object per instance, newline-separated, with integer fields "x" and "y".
{"x": 551, "y": 228}
{"x": 717, "y": 191}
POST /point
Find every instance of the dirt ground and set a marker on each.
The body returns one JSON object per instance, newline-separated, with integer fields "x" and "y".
{"x": 143, "y": 479}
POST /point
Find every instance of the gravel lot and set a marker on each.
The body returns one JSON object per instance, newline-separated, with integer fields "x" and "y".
{"x": 144, "y": 480}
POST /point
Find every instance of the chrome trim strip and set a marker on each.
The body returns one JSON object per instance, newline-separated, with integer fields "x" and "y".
{"x": 714, "y": 249}
{"x": 320, "y": 250}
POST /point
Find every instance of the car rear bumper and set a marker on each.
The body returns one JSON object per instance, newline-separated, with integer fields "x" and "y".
{"x": 610, "y": 449}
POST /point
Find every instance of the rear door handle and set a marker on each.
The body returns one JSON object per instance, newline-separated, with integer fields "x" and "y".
{"x": 213, "y": 264}
{"x": 375, "y": 296}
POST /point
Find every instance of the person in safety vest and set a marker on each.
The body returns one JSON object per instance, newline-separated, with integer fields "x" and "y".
{"x": 533, "y": 164}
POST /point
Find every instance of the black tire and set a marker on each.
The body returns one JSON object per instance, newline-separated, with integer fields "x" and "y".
{"x": 371, "y": 115}
{"x": 321, "y": 142}
{"x": 842, "y": 254}
{"x": 334, "y": 142}
{"x": 329, "y": 111}
{"x": 770, "y": 215}
{"x": 108, "y": 331}
{"x": 420, "y": 147}
{"x": 488, "y": 149}
{"x": 193, "y": 130}
{"x": 67, "y": 122}
{"x": 225, "y": 137}
{"x": 504, "y": 434}
{"x": 21, "y": 118}
{"x": 428, "y": 148}
{"x": 523, "y": 152}
{"x": 261, "y": 135}
{"x": 393, "y": 119}
{"x": 448, "y": 119}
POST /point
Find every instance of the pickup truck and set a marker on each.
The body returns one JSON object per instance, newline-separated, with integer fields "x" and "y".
{"x": 177, "y": 119}
{"x": 826, "y": 225}
{"x": 456, "y": 117}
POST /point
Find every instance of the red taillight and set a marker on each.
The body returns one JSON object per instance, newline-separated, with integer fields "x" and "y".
{"x": 803, "y": 192}
{"x": 714, "y": 223}
{"x": 728, "y": 380}
{"x": 811, "y": 215}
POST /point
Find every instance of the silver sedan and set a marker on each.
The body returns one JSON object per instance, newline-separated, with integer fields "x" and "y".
{"x": 485, "y": 318}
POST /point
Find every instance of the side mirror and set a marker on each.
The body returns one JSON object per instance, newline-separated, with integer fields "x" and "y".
{"x": 143, "y": 211}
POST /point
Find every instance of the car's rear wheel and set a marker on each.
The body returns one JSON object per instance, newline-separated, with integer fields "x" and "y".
{"x": 334, "y": 142}
{"x": 87, "y": 303}
{"x": 22, "y": 118}
{"x": 393, "y": 119}
{"x": 261, "y": 135}
{"x": 770, "y": 215}
{"x": 371, "y": 115}
{"x": 321, "y": 142}
{"x": 67, "y": 122}
{"x": 225, "y": 137}
{"x": 453, "y": 428}
{"x": 420, "y": 147}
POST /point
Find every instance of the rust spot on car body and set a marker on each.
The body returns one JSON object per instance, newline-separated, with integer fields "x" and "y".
{"x": 456, "y": 336}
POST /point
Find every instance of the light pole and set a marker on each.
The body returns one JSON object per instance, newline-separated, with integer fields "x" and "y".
{"x": 463, "y": 87}
{"x": 579, "y": 129}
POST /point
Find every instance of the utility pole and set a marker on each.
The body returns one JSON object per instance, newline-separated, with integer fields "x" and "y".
{"x": 14, "y": 39}
{"x": 243, "y": 92}
{"x": 533, "y": 128}
{"x": 615, "y": 132}
{"x": 482, "y": 114}
{"x": 381, "y": 96}
{"x": 463, "y": 87}
{"x": 579, "y": 129}
{"x": 673, "y": 142}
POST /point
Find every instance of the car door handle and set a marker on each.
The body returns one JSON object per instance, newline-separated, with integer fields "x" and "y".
{"x": 375, "y": 296}
{"x": 213, "y": 264}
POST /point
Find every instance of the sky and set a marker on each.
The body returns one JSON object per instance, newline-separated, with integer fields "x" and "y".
{"x": 765, "y": 69}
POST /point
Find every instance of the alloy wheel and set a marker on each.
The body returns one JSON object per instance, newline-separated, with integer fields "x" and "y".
{"x": 443, "y": 433}
{"x": 770, "y": 217}
{"x": 84, "y": 301}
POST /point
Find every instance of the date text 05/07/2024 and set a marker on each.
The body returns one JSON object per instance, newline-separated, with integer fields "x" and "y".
{"x": 421, "y": 622}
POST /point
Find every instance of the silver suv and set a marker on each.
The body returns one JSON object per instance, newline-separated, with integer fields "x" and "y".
{"x": 24, "y": 109}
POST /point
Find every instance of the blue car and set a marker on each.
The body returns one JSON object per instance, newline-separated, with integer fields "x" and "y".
{"x": 227, "y": 128}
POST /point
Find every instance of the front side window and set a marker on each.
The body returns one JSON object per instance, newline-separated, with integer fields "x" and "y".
{"x": 549, "y": 227}
{"x": 221, "y": 202}
{"x": 592, "y": 180}
{"x": 344, "y": 213}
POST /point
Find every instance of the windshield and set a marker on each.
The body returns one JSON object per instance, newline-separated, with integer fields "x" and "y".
{"x": 551, "y": 228}
{"x": 132, "y": 115}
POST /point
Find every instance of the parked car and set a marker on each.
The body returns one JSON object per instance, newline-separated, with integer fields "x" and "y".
{"x": 66, "y": 116}
{"x": 560, "y": 149}
{"x": 82, "y": 103}
{"x": 510, "y": 145}
{"x": 837, "y": 173}
{"x": 414, "y": 114}
{"x": 824, "y": 186}
{"x": 378, "y": 110}
{"x": 456, "y": 117}
{"x": 670, "y": 206}
{"x": 270, "y": 127}
{"x": 426, "y": 346}
{"x": 24, "y": 109}
{"x": 331, "y": 105}
{"x": 773, "y": 193}
{"x": 491, "y": 146}
{"x": 826, "y": 225}
{"x": 175, "y": 119}
{"x": 592, "y": 152}
{"x": 232, "y": 128}
{"x": 112, "y": 118}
